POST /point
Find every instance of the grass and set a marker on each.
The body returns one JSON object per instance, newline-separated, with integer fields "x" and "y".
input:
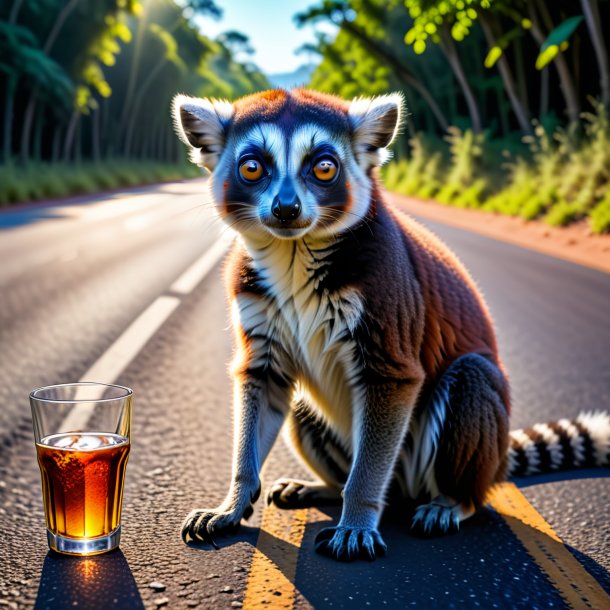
{"x": 49, "y": 181}
{"x": 557, "y": 177}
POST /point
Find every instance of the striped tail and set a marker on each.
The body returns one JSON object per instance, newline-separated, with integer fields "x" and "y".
{"x": 583, "y": 442}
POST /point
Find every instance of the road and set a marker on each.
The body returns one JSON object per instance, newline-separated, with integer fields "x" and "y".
{"x": 75, "y": 276}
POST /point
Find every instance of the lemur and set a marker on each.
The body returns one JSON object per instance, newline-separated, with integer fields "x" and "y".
{"x": 355, "y": 328}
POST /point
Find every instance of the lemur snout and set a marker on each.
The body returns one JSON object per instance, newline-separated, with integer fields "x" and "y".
{"x": 286, "y": 211}
{"x": 286, "y": 205}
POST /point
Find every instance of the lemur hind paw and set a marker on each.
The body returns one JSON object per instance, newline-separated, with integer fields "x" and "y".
{"x": 292, "y": 493}
{"x": 439, "y": 517}
{"x": 348, "y": 544}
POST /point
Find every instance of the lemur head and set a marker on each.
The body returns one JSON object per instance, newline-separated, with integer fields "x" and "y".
{"x": 290, "y": 163}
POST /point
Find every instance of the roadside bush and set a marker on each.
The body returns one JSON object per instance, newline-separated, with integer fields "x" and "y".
{"x": 560, "y": 177}
{"x": 39, "y": 181}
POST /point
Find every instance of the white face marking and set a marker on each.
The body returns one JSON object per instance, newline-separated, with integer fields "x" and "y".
{"x": 269, "y": 138}
{"x": 288, "y": 153}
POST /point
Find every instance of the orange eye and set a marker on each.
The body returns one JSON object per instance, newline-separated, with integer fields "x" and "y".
{"x": 251, "y": 170}
{"x": 325, "y": 170}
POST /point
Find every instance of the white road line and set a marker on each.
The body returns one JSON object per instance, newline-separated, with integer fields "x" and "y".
{"x": 118, "y": 356}
{"x": 201, "y": 267}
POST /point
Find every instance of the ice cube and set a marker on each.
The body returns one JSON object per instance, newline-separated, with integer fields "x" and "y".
{"x": 69, "y": 441}
{"x": 87, "y": 441}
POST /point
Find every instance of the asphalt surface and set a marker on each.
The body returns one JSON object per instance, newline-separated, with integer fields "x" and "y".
{"x": 74, "y": 276}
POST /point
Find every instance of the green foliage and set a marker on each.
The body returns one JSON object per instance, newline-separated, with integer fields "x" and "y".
{"x": 46, "y": 181}
{"x": 94, "y": 78}
{"x": 560, "y": 179}
{"x": 429, "y": 16}
{"x": 348, "y": 70}
{"x": 451, "y": 176}
{"x": 600, "y": 215}
{"x": 463, "y": 186}
{"x": 557, "y": 41}
{"x": 422, "y": 174}
{"x": 20, "y": 55}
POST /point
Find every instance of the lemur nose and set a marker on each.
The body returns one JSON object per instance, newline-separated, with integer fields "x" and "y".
{"x": 286, "y": 211}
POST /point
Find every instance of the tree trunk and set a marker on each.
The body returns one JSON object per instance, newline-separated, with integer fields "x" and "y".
{"x": 400, "y": 70}
{"x": 565, "y": 78}
{"x": 168, "y": 149}
{"x": 107, "y": 133}
{"x": 521, "y": 113}
{"x": 502, "y": 110}
{"x": 78, "y": 140}
{"x": 59, "y": 23}
{"x": 37, "y": 139}
{"x": 448, "y": 47}
{"x": 521, "y": 78}
{"x": 591, "y": 12}
{"x": 159, "y": 149}
{"x": 14, "y": 14}
{"x": 544, "y": 92}
{"x": 56, "y": 144}
{"x": 28, "y": 119}
{"x": 95, "y": 135}
{"x": 133, "y": 73}
{"x": 137, "y": 102}
{"x": 31, "y": 107}
{"x": 9, "y": 105}
{"x": 70, "y": 135}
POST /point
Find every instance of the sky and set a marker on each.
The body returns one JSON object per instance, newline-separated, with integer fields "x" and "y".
{"x": 269, "y": 25}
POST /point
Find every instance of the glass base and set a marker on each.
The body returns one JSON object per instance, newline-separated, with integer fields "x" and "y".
{"x": 84, "y": 546}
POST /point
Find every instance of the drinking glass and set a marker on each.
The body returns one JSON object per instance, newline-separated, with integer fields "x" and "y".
{"x": 83, "y": 436}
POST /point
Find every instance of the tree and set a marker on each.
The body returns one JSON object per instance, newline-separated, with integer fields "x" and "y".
{"x": 343, "y": 15}
{"x": 68, "y": 67}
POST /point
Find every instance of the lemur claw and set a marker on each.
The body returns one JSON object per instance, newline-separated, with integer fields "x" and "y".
{"x": 348, "y": 544}
{"x": 434, "y": 519}
{"x": 201, "y": 524}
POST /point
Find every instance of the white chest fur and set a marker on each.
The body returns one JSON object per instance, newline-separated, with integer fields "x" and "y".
{"x": 313, "y": 325}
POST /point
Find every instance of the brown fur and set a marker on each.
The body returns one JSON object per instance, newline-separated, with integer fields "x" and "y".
{"x": 377, "y": 323}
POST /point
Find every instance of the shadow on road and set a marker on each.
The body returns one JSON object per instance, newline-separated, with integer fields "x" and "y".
{"x": 245, "y": 533}
{"x": 92, "y": 583}
{"x": 482, "y": 566}
{"x": 31, "y": 212}
{"x": 570, "y": 475}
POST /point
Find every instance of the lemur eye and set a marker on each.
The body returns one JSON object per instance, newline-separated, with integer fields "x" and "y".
{"x": 251, "y": 170}
{"x": 325, "y": 170}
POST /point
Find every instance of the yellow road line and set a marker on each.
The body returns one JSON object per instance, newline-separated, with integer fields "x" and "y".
{"x": 274, "y": 564}
{"x": 273, "y": 570}
{"x": 575, "y": 585}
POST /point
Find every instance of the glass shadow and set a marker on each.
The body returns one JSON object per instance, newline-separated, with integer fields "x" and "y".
{"x": 102, "y": 582}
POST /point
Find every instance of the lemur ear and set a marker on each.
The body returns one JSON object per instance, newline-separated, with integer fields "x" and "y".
{"x": 375, "y": 122}
{"x": 202, "y": 124}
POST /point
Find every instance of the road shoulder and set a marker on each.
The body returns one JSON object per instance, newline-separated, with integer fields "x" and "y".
{"x": 574, "y": 243}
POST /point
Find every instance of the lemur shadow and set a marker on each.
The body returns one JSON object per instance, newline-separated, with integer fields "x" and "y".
{"x": 100, "y": 582}
{"x": 483, "y": 565}
{"x": 245, "y": 533}
{"x": 554, "y": 477}
{"x": 283, "y": 555}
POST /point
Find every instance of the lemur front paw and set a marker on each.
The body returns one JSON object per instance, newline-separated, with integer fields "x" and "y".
{"x": 202, "y": 524}
{"x": 350, "y": 543}
{"x": 292, "y": 493}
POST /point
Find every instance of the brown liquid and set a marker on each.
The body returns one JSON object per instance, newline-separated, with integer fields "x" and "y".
{"x": 82, "y": 482}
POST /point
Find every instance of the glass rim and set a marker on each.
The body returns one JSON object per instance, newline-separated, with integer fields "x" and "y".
{"x": 127, "y": 392}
